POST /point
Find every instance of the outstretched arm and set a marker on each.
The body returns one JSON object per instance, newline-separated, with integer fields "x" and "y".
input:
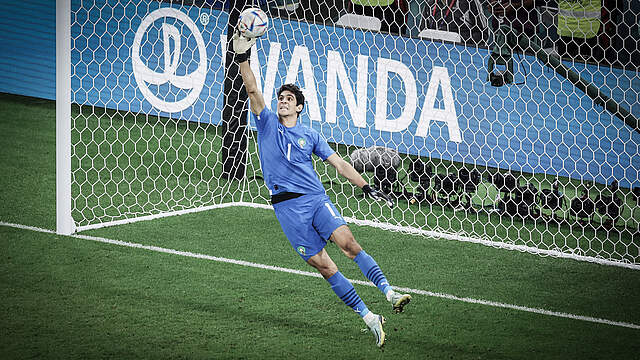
{"x": 241, "y": 46}
{"x": 348, "y": 171}
{"x": 255, "y": 95}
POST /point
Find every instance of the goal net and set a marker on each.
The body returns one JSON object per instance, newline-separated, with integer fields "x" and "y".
{"x": 521, "y": 148}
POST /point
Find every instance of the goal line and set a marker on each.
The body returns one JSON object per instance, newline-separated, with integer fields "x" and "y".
{"x": 311, "y": 274}
{"x": 384, "y": 226}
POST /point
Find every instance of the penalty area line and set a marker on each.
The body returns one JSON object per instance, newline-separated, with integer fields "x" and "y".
{"x": 313, "y": 274}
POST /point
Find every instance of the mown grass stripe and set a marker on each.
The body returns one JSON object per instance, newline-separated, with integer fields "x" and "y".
{"x": 312, "y": 274}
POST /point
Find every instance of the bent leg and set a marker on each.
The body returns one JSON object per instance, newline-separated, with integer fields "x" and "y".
{"x": 343, "y": 237}
{"x": 323, "y": 263}
{"x": 339, "y": 284}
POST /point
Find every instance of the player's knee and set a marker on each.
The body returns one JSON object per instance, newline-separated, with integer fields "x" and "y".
{"x": 351, "y": 248}
{"x": 346, "y": 241}
{"x": 323, "y": 263}
{"x": 327, "y": 270}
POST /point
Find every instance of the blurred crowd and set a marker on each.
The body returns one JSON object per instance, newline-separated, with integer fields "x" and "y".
{"x": 594, "y": 31}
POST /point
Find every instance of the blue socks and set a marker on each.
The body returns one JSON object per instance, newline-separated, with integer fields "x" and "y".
{"x": 345, "y": 291}
{"x": 372, "y": 271}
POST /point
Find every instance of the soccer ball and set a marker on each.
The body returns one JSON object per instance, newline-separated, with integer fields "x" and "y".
{"x": 253, "y": 23}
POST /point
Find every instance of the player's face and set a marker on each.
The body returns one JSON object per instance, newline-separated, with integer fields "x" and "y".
{"x": 287, "y": 104}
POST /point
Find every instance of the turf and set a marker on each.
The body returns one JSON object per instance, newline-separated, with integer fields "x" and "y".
{"x": 127, "y": 166}
{"x": 65, "y": 297}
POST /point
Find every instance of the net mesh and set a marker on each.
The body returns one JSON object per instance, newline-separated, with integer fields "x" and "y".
{"x": 477, "y": 125}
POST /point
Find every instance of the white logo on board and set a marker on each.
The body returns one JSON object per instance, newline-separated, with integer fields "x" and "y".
{"x": 192, "y": 82}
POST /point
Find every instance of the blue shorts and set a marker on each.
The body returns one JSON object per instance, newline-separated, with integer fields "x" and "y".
{"x": 308, "y": 221}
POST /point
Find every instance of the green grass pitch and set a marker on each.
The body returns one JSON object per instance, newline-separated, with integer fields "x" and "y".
{"x": 73, "y": 298}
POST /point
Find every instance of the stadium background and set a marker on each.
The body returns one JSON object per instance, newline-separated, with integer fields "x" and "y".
{"x": 76, "y": 298}
{"x": 564, "y": 134}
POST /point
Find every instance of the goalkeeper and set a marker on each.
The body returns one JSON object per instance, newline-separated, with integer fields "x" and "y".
{"x": 305, "y": 212}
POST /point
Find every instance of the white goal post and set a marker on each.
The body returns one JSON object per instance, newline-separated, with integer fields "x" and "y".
{"x": 152, "y": 122}
{"x": 64, "y": 221}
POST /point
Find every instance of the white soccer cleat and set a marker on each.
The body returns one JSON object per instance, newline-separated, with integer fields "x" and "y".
{"x": 399, "y": 301}
{"x": 376, "y": 328}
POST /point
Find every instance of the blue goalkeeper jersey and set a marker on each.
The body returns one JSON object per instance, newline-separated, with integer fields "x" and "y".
{"x": 285, "y": 155}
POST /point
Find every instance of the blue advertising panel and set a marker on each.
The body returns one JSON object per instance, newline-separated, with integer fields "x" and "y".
{"x": 28, "y": 48}
{"x": 362, "y": 88}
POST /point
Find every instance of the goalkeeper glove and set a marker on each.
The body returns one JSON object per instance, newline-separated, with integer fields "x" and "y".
{"x": 376, "y": 194}
{"x": 241, "y": 46}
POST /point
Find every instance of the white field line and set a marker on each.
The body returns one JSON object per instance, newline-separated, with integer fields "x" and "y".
{"x": 385, "y": 226}
{"x": 312, "y": 274}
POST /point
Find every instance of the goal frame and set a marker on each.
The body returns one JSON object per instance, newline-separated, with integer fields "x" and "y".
{"x": 66, "y": 225}
{"x": 64, "y": 221}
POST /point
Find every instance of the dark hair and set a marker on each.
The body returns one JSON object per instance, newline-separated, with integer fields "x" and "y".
{"x": 296, "y": 92}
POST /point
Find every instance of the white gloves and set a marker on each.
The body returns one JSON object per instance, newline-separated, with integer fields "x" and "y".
{"x": 241, "y": 46}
